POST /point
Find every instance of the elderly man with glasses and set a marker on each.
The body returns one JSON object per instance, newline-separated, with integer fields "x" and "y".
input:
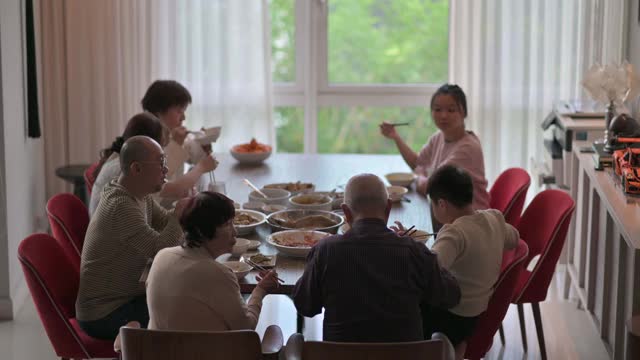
{"x": 126, "y": 231}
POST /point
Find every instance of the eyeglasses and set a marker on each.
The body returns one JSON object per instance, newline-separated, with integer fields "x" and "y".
{"x": 162, "y": 163}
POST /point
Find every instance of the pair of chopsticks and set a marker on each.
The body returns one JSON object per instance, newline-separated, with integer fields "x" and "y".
{"x": 399, "y": 124}
{"x": 260, "y": 268}
{"x": 410, "y": 233}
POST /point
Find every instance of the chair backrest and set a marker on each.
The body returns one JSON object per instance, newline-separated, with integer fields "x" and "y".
{"x": 143, "y": 344}
{"x": 89, "y": 177}
{"x": 509, "y": 192}
{"x": 69, "y": 219}
{"x": 504, "y": 290}
{"x": 425, "y": 350}
{"x": 53, "y": 283}
{"x": 543, "y": 227}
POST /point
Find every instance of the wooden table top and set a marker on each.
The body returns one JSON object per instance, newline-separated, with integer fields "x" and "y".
{"x": 326, "y": 172}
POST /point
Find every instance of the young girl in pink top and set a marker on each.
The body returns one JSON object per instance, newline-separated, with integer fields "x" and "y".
{"x": 452, "y": 144}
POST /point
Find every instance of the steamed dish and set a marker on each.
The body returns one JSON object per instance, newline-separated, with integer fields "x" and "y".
{"x": 305, "y": 222}
{"x": 244, "y": 219}
{"x": 260, "y": 259}
{"x": 291, "y": 240}
{"x": 291, "y": 187}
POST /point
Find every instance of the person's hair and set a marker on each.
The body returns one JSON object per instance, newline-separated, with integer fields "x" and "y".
{"x": 164, "y": 94}
{"x": 136, "y": 148}
{"x": 452, "y": 184}
{"x": 202, "y": 215}
{"x": 365, "y": 192}
{"x": 144, "y": 123}
{"x": 456, "y": 93}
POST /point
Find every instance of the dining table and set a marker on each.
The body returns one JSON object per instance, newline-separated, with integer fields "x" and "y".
{"x": 327, "y": 172}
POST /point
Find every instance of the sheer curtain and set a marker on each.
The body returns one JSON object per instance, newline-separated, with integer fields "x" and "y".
{"x": 98, "y": 57}
{"x": 515, "y": 58}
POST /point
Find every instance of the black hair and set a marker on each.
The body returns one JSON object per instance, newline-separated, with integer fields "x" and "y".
{"x": 144, "y": 123}
{"x": 452, "y": 184}
{"x": 204, "y": 213}
{"x": 454, "y": 91}
{"x": 164, "y": 94}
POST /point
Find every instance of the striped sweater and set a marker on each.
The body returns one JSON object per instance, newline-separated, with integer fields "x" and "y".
{"x": 124, "y": 233}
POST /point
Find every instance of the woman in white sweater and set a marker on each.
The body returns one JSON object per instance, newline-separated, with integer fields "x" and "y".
{"x": 187, "y": 289}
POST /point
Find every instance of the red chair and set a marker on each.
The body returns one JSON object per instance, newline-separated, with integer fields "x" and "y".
{"x": 489, "y": 322}
{"x": 89, "y": 177}
{"x": 543, "y": 227}
{"x": 69, "y": 219}
{"x": 53, "y": 283}
{"x": 509, "y": 192}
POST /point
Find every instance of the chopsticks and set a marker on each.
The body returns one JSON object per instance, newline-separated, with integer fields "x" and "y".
{"x": 399, "y": 124}
{"x": 260, "y": 268}
{"x": 410, "y": 233}
{"x": 407, "y": 231}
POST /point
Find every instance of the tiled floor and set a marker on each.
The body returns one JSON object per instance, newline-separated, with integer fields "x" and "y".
{"x": 568, "y": 332}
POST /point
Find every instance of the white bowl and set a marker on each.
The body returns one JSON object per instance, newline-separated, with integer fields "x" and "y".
{"x": 268, "y": 209}
{"x": 253, "y": 205}
{"x": 275, "y": 196}
{"x": 247, "y": 229}
{"x": 295, "y": 236}
{"x": 253, "y": 158}
{"x": 312, "y": 201}
{"x": 240, "y": 269}
{"x": 338, "y": 198}
{"x": 208, "y": 136}
{"x": 241, "y": 246}
{"x": 396, "y": 193}
{"x": 294, "y": 188}
{"x": 400, "y": 178}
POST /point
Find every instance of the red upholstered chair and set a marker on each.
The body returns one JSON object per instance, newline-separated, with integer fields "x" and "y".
{"x": 509, "y": 192}
{"x": 69, "y": 219}
{"x": 53, "y": 282}
{"x": 543, "y": 227}
{"x": 89, "y": 179}
{"x": 512, "y": 266}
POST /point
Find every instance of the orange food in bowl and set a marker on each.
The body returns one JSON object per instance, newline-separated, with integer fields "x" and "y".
{"x": 252, "y": 147}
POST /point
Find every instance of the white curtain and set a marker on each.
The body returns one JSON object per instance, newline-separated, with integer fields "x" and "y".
{"x": 98, "y": 57}
{"x": 515, "y": 58}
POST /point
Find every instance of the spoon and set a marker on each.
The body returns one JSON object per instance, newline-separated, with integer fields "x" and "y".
{"x": 246, "y": 181}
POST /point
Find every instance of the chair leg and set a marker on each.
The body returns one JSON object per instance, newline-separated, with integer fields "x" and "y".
{"x": 523, "y": 330}
{"x": 538, "y": 320}
{"x": 501, "y": 332}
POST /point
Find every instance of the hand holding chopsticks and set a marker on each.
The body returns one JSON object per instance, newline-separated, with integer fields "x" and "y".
{"x": 260, "y": 268}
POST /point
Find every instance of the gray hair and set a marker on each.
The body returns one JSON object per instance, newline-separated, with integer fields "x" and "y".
{"x": 136, "y": 148}
{"x": 366, "y": 193}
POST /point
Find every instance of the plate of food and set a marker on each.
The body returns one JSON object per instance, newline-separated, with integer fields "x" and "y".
{"x": 298, "y": 219}
{"x": 266, "y": 261}
{"x": 296, "y": 243}
{"x": 247, "y": 221}
{"x": 251, "y": 153}
{"x": 293, "y": 187}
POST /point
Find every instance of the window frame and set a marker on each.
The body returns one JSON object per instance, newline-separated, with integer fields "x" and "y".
{"x": 311, "y": 89}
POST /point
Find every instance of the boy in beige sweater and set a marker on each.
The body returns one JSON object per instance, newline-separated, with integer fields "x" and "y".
{"x": 470, "y": 246}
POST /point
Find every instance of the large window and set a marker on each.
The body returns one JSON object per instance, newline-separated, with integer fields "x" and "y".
{"x": 340, "y": 67}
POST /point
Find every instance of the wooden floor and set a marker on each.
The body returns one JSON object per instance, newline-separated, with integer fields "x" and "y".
{"x": 569, "y": 334}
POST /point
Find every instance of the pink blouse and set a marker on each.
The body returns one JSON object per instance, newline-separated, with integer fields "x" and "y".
{"x": 465, "y": 153}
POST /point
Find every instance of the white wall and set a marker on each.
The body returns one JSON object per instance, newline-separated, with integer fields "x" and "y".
{"x": 633, "y": 38}
{"x": 22, "y": 187}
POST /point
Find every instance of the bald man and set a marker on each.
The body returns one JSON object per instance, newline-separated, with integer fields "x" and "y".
{"x": 127, "y": 230}
{"x": 369, "y": 280}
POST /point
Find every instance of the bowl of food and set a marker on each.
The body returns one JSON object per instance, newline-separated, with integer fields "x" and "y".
{"x": 253, "y": 205}
{"x": 311, "y": 201}
{"x": 338, "y": 198}
{"x": 274, "y": 196}
{"x": 207, "y": 136}
{"x": 240, "y": 247}
{"x": 296, "y": 243}
{"x": 294, "y": 188}
{"x": 268, "y": 209}
{"x": 251, "y": 153}
{"x": 396, "y": 193}
{"x": 240, "y": 269}
{"x": 400, "y": 178}
{"x": 299, "y": 219}
{"x": 247, "y": 221}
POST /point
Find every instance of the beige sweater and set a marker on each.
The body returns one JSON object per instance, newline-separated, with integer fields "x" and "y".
{"x": 471, "y": 249}
{"x": 188, "y": 290}
{"x": 123, "y": 235}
